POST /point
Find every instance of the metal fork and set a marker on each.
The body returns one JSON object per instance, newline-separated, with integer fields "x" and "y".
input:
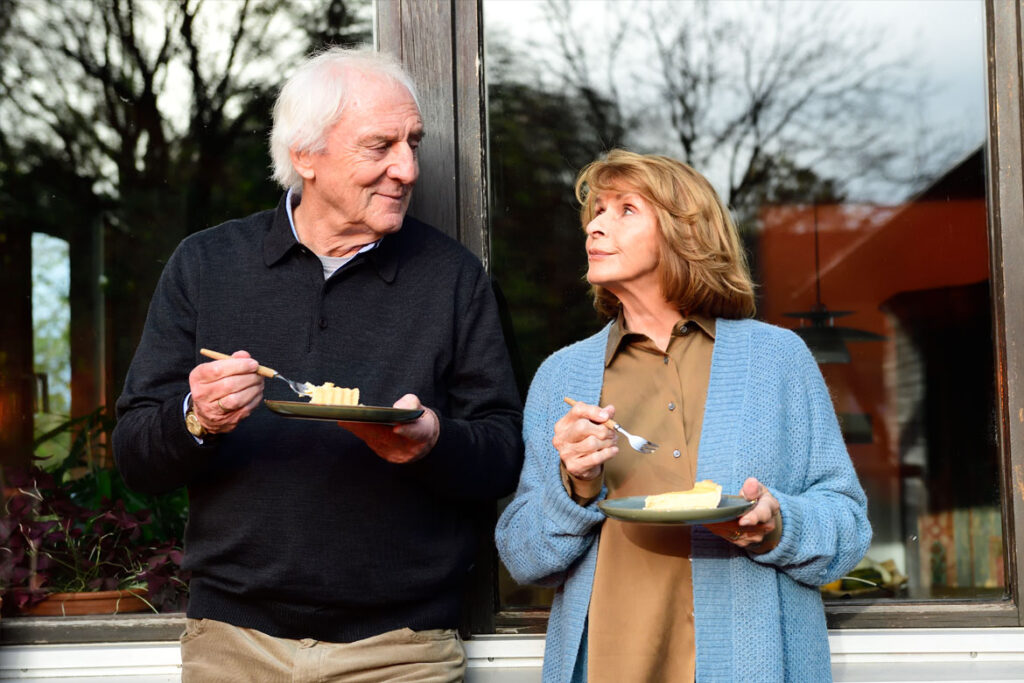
{"x": 638, "y": 443}
{"x": 298, "y": 387}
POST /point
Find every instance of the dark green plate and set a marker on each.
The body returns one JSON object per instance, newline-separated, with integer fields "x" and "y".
{"x": 631, "y": 509}
{"x": 316, "y": 411}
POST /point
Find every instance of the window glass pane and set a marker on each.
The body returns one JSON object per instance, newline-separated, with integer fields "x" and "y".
{"x": 124, "y": 127}
{"x": 50, "y": 339}
{"x": 849, "y": 140}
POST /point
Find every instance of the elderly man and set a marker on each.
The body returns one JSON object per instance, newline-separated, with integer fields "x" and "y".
{"x": 319, "y": 550}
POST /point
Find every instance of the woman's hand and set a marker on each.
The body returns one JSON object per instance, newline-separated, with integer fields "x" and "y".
{"x": 583, "y": 442}
{"x": 751, "y": 530}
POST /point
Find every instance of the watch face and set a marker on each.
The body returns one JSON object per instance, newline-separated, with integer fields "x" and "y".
{"x": 195, "y": 428}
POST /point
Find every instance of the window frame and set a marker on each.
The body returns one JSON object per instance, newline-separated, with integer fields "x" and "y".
{"x": 441, "y": 43}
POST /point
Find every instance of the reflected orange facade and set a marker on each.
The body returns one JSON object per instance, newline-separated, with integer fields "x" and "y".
{"x": 868, "y": 255}
{"x": 916, "y": 274}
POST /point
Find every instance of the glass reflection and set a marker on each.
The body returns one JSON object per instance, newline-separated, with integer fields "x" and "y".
{"x": 125, "y": 125}
{"x": 849, "y": 140}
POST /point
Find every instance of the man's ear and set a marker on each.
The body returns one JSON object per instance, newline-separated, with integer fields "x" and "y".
{"x": 302, "y": 163}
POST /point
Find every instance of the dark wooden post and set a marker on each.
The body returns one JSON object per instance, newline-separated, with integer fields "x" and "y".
{"x": 16, "y": 367}
{"x": 86, "y": 324}
{"x": 1005, "y": 23}
{"x": 440, "y": 44}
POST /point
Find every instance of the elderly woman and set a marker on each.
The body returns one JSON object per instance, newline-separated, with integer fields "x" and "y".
{"x": 728, "y": 399}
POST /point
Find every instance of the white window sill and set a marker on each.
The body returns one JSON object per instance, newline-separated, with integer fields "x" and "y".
{"x": 858, "y": 656}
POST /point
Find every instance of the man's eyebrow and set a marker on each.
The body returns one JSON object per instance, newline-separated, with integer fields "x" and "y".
{"x": 375, "y": 138}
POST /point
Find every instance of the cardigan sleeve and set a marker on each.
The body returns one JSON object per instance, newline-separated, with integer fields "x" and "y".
{"x": 543, "y": 532}
{"x": 825, "y": 530}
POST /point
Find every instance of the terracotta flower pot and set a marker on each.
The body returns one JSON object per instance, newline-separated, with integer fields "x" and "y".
{"x": 96, "y": 602}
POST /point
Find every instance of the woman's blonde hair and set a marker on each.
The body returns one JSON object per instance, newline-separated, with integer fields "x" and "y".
{"x": 703, "y": 266}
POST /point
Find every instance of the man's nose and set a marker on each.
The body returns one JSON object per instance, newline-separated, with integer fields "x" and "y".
{"x": 404, "y": 167}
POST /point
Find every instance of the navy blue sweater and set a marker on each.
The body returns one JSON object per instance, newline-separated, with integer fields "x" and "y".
{"x": 296, "y": 528}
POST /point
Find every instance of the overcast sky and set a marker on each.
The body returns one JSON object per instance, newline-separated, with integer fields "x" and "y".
{"x": 942, "y": 40}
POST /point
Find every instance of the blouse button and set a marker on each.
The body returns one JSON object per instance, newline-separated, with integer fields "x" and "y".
{"x": 676, "y": 453}
{"x": 665, "y": 360}
{"x": 671, "y": 405}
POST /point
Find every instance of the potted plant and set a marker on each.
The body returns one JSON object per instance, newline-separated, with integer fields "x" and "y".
{"x": 58, "y": 555}
{"x": 74, "y": 534}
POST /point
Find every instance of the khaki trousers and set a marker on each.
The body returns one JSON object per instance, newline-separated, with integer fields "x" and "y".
{"x": 212, "y": 651}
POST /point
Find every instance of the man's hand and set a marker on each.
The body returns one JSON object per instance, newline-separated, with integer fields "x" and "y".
{"x": 224, "y": 392}
{"x": 404, "y": 442}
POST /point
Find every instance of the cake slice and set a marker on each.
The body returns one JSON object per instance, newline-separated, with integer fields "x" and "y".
{"x": 704, "y": 495}
{"x": 328, "y": 394}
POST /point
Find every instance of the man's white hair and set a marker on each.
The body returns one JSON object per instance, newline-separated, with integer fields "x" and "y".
{"x": 312, "y": 100}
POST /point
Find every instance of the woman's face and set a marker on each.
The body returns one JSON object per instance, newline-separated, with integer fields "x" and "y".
{"x": 623, "y": 244}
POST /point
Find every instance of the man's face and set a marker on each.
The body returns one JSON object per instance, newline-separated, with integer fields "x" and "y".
{"x": 364, "y": 177}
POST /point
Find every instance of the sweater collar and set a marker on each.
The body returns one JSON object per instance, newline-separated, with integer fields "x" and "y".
{"x": 280, "y": 241}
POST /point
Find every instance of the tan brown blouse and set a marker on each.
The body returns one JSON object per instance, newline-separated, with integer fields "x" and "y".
{"x": 641, "y": 609}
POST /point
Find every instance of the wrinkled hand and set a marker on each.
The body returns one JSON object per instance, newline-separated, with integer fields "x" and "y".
{"x": 225, "y": 392}
{"x": 751, "y": 529}
{"x": 404, "y": 442}
{"x": 583, "y": 442}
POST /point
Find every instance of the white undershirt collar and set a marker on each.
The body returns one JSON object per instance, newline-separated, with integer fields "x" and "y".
{"x": 331, "y": 264}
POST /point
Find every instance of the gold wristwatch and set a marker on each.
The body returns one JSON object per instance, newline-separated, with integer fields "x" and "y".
{"x": 192, "y": 423}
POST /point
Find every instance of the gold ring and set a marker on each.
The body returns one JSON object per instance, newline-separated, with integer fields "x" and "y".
{"x": 221, "y": 406}
{"x": 736, "y": 535}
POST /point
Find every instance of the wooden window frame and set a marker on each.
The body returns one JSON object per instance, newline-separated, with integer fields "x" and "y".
{"x": 441, "y": 43}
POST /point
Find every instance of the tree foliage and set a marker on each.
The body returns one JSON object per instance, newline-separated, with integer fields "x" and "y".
{"x": 539, "y": 139}
{"x": 754, "y": 94}
{"x": 776, "y": 102}
{"x": 147, "y": 120}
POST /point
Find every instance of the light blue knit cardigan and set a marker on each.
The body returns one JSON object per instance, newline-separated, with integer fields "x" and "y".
{"x": 768, "y": 415}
